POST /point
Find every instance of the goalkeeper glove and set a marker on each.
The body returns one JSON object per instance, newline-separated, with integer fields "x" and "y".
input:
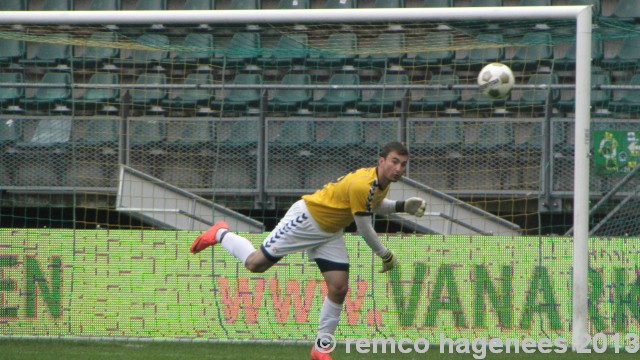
{"x": 389, "y": 260}
{"x": 415, "y": 206}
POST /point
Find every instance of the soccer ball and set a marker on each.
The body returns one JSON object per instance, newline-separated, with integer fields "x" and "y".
{"x": 496, "y": 80}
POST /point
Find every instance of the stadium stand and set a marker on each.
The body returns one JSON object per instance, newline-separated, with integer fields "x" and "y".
{"x": 438, "y": 100}
{"x": 11, "y": 51}
{"x": 340, "y": 4}
{"x": 371, "y": 57}
{"x": 383, "y": 100}
{"x": 337, "y": 101}
{"x": 241, "y": 100}
{"x": 346, "y": 41}
{"x": 627, "y": 10}
{"x": 94, "y": 57}
{"x": 149, "y": 98}
{"x": 51, "y": 99}
{"x": 291, "y": 101}
{"x": 10, "y": 96}
{"x": 105, "y": 5}
{"x": 191, "y": 100}
{"x": 103, "y": 99}
{"x": 538, "y": 52}
{"x": 13, "y": 5}
{"x": 49, "y": 54}
{"x": 441, "y": 39}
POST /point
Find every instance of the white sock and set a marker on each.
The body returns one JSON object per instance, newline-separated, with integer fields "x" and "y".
{"x": 329, "y": 317}
{"x": 236, "y": 245}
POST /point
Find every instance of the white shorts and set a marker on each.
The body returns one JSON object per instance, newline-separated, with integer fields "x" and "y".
{"x": 298, "y": 231}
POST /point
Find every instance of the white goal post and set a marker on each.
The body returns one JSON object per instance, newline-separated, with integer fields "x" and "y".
{"x": 581, "y": 14}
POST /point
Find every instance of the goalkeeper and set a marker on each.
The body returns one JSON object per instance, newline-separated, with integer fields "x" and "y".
{"x": 315, "y": 224}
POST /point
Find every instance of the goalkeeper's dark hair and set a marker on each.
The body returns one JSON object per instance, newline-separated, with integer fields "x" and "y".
{"x": 396, "y": 146}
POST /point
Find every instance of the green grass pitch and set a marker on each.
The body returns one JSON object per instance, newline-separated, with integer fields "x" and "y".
{"x": 134, "y": 350}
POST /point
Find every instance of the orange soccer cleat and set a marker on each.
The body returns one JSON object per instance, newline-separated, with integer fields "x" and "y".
{"x": 208, "y": 238}
{"x": 319, "y": 355}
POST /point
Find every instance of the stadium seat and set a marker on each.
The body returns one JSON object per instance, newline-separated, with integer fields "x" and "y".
{"x": 433, "y": 57}
{"x": 537, "y": 52}
{"x": 99, "y": 133}
{"x": 437, "y": 3}
{"x": 50, "y": 54}
{"x": 481, "y": 3}
{"x": 241, "y": 100}
{"x": 534, "y": 3}
{"x": 479, "y": 103}
{"x": 244, "y": 5}
{"x": 385, "y": 100}
{"x": 476, "y": 58}
{"x": 157, "y": 53}
{"x": 105, "y": 5}
{"x": 147, "y": 133}
{"x": 41, "y": 158}
{"x": 49, "y": 133}
{"x": 10, "y": 132}
{"x": 94, "y": 57}
{"x": 627, "y": 55}
{"x": 290, "y": 50}
{"x": 339, "y": 50}
{"x": 293, "y": 4}
{"x": 292, "y": 100}
{"x": 531, "y": 142}
{"x": 199, "y": 5}
{"x": 490, "y": 142}
{"x": 192, "y": 99}
{"x": 599, "y": 97}
{"x": 378, "y": 4}
{"x": 342, "y": 137}
{"x": 237, "y": 138}
{"x": 10, "y": 96}
{"x": 597, "y": 8}
{"x": 13, "y": 5}
{"x": 535, "y": 100}
{"x": 627, "y": 10}
{"x": 236, "y": 145}
{"x": 96, "y": 151}
{"x": 290, "y": 137}
{"x": 11, "y": 51}
{"x": 151, "y": 5}
{"x": 150, "y": 98}
{"x": 196, "y": 49}
{"x": 99, "y": 99}
{"x": 626, "y": 101}
{"x": 191, "y": 136}
{"x": 430, "y": 138}
{"x": 376, "y": 134}
{"x": 57, "y": 5}
{"x": 437, "y": 143}
{"x": 337, "y": 101}
{"x": 340, "y": 4}
{"x": 438, "y": 100}
{"x": 567, "y": 61}
{"x": 243, "y": 49}
{"x": 393, "y": 44}
{"x": 50, "y": 98}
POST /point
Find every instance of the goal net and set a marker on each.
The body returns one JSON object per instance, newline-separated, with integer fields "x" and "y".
{"x": 250, "y": 116}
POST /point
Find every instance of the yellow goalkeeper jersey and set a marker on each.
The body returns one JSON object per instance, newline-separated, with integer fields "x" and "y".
{"x": 334, "y": 205}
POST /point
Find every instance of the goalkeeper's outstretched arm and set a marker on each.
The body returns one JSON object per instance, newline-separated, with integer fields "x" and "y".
{"x": 413, "y": 206}
{"x": 366, "y": 230}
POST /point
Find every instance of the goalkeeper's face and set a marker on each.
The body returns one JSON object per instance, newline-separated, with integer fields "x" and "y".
{"x": 392, "y": 167}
